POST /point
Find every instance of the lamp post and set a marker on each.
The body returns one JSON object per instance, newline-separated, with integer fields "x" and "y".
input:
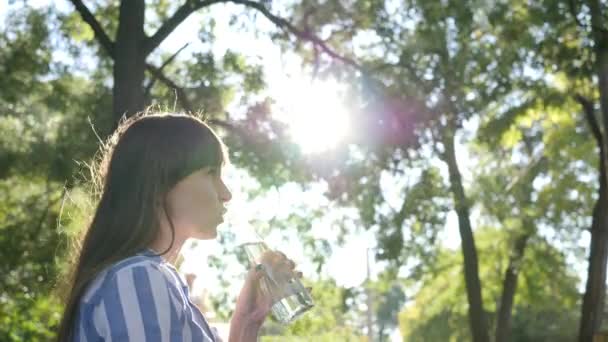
{"x": 368, "y": 295}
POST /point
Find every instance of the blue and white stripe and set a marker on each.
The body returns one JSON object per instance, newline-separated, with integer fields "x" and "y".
{"x": 141, "y": 298}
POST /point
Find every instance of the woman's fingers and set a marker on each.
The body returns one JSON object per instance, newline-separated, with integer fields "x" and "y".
{"x": 279, "y": 259}
{"x": 256, "y": 272}
{"x": 278, "y": 267}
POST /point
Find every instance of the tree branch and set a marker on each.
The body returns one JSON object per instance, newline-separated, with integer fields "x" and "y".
{"x": 304, "y": 35}
{"x": 100, "y": 34}
{"x": 590, "y": 116}
{"x": 185, "y": 103}
{"x": 528, "y": 174}
{"x": 170, "y": 59}
{"x": 177, "y": 18}
{"x": 167, "y": 62}
{"x": 179, "y": 91}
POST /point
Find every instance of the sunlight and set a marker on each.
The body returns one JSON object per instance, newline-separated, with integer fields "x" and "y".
{"x": 314, "y": 111}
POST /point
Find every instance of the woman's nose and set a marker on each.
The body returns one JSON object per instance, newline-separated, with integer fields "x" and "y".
{"x": 225, "y": 194}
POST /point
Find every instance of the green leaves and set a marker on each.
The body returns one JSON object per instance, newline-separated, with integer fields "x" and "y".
{"x": 546, "y": 291}
{"x": 28, "y": 241}
{"x": 325, "y": 322}
{"x": 24, "y": 55}
{"x": 78, "y": 29}
{"x": 28, "y": 318}
{"x": 410, "y": 234}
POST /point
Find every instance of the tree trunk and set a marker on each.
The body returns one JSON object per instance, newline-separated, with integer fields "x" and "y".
{"x": 509, "y": 285}
{"x": 593, "y": 299}
{"x": 503, "y": 321}
{"x": 129, "y": 60}
{"x": 595, "y": 290}
{"x": 477, "y": 318}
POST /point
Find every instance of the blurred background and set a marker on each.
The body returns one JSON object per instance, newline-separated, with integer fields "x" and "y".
{"x": 436, "y": 168}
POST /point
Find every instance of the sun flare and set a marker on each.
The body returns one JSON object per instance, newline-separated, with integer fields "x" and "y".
{"x": 315, "y": 113}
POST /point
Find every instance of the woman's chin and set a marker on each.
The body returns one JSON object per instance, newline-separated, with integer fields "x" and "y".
{"x": 207, "y": 234}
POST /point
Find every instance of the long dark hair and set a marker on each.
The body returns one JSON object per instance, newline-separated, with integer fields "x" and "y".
{"x": 146, "y": 156}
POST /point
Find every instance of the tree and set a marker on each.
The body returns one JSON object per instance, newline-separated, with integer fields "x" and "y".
{"x": 575, "y": 50}
{"x": 41, "y": 129}
{"x": 528, "y": 180}
{"x": 542, "y": 312}
{"x": 595, "y": 291}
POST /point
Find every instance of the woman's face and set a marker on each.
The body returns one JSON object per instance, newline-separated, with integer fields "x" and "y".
{"x": 196, "y": 204}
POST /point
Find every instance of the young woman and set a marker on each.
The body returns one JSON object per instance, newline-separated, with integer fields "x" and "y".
{"x": 161, "y": 178}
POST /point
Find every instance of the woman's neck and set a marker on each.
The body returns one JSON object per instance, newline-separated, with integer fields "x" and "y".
{"x": 162, "y": 243}
{"x": 169, "y": 241}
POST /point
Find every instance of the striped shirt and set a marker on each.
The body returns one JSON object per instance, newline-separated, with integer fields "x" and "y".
{"x": 141, "y": 298}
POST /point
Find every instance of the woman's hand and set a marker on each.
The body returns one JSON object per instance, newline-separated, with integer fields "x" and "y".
{"x": 253, "y": 305}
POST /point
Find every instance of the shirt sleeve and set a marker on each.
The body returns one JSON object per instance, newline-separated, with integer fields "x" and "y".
{"x": 137, "y": 305}
{"x": 216, "y": 334}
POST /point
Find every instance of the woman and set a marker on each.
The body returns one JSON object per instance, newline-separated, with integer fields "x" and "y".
{"x": 161, "y": 184}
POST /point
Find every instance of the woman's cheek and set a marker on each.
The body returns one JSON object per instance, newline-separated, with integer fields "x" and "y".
{"x": 204, "y": 205}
